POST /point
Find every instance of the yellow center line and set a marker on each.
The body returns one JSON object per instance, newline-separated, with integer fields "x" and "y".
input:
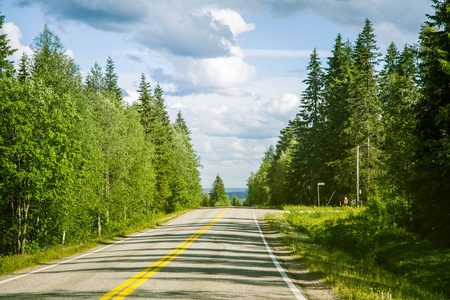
{"x": 134, "y": 282}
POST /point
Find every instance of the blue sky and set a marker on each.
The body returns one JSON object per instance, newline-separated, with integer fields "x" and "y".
{"x": 233, "y": 67}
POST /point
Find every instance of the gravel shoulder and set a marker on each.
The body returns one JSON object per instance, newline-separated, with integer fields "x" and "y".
{"x": 312, "y": 287}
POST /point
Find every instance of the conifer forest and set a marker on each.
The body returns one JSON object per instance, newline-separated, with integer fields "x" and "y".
{"x": 374, "y": 123}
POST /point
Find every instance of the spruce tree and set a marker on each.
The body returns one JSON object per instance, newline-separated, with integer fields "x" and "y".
{"x": 311, "y": 107}
{"x": 24, "y": 67}
{"x": 95, "y": 81}
{"x": 431, "y": 205}
{"x": 338, "y": 81}
{"x": 111, "y": 78}
{"x": 399, "y": 95}
{"x": 364, "y": 125}
{"x": 6, "y": 66}
{"x": 181, "y": 123}
{"x": 158, "y": 129}
{"x": 307, "y": 160}
{"x": 146, "y": 103}
{"x": 185, "y": 182}
{"x": 218, "y": 197}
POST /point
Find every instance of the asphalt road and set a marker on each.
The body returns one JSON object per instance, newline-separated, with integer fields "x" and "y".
{"x": 210, "y": 253}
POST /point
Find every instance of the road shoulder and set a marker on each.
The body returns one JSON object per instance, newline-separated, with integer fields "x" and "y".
{"x": 310, "y": 285}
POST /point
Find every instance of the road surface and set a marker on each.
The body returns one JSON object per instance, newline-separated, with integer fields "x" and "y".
{"x": 210, "y": 253}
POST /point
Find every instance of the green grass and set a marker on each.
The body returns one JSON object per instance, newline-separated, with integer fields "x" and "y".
{"x": 11, "y": 263}
{"x": 363, "y": 257}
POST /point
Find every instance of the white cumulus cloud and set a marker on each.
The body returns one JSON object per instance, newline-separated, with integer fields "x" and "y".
{"x": 233, "y": 20}
{"x": 221, "y": 75}
{"x": 14, "y": 35}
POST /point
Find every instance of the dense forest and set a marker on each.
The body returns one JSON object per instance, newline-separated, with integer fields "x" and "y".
{"x": 75, "y": 160}
{"x": 386, "y": 119}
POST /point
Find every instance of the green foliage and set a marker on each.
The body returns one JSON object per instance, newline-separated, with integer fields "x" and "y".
{"x": 35, "y": 160}
{"x": 181, "y": 123}
{"x": 75, "y": 163}
{"x": 185, "y": 184}
{"x": 205, "y": 199}
{"x": 364, "y": 125}
{"x": 399, "y": 120}
{"x": 217, "y": 196}
{"x": 236, "y": 202}
{"x": 258, "y": 188}
{"x": 95, "y": 81}
{"x": 9, "y": 264}
{"x": 399, "y": 95}
{"x": 159, "y": 131}
{"x": 338, "y": 84}
{"x": 362, "y": 255}
{"x": 51, "y": 64}
{"x": 24, "y": 67}
{"x": 6, "y": 66}
{"x": 110, "y": 82}
{"x": 307, "y": 156}
{"x": 431, "y": 179}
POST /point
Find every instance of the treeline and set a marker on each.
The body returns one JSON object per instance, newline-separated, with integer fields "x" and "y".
{"x": 396, "y": 110}
{"x": 75, "y": 160}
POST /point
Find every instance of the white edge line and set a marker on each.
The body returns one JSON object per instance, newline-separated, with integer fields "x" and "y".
{"x": 283, "y": 274}
{"x": 86, "y": 254}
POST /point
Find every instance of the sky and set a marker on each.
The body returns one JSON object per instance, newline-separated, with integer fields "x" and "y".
{"x": 234, "y": 68}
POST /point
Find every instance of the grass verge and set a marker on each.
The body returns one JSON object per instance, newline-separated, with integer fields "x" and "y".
{"x": 362, "y": 257}
{"x": 11, "y": 263}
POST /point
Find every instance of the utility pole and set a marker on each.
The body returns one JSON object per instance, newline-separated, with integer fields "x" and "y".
{"x": 357, "y": 175}
{"x": 318, "y": 194}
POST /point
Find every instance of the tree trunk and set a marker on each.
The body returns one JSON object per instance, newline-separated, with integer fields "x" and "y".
{"x": 99, "y": 225}
{"x": 22, "y": 220}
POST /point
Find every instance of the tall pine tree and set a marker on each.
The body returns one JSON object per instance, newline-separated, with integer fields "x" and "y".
{"x": 399, "y": 95}
{"x": 431, "y": 205}
{"x": 308, "y": 154}
{"x": 155, "y": 120}
{"x": 24, "y": 67}
{"x": 6, "y": 66}
{"x": 111, "y": 85}
{"x": 364, "y": 125}
{"x": 218, "y": 197}
{"x": 338, "y": 83}
{"x": 95, "y": 81}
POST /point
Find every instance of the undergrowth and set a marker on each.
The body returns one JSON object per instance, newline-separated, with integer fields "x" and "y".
{"x": 362, "y": 256}
{"x": 11, "y": 263}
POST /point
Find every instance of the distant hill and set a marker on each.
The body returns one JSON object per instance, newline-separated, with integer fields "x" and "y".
{"x": 240, "y": 193}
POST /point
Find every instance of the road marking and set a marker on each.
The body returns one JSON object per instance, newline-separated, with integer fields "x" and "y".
{"x": 89, "y": 253}
{"x": 283, "y": 274}
{"x": 134, "y": 282}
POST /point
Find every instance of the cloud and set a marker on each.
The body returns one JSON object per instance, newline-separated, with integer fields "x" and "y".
{"x": 108, "y": 15}
{"x": 232, "y": 19}
{"x": 240, "y": 117}
{"x": 69, "y": 53}
{"x": 14, "y": 35}
{"x": 391, "y": 33}
{"x": 353, "y": 12}
{"x": 283, "y": 53}
{"x": 182, "y": 28}
{"x": 221, "y": 75}
{"x": 192, "y": 34}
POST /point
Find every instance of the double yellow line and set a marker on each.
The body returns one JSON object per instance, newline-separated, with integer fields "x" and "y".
{"x": 134, "y": 282}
